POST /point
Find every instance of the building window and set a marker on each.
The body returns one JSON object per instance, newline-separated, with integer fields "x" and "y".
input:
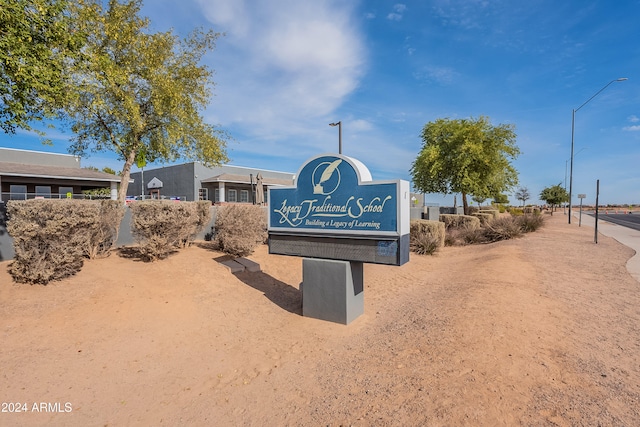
{"x": 233, "y": 196}
{"x": 17, "y": 192}
{"x": 43, "y": 191}
{"x": 203, "y": 194}
{"x": 216, "y": 195}
{"x": 244, "y": 196}
{"x": 64, "y": 191}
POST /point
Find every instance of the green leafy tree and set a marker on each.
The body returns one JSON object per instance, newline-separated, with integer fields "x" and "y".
{"x": 36, "y": 44}
{"x": 141, "y": 94}
{"x": 107, "y": 169}
{"x": 479, "y": 200}
{"x": 523, "y": 195}
{"x": 468, "y": 156}
{"x": 554, "y": 196}
{"x": 501, "y": 199}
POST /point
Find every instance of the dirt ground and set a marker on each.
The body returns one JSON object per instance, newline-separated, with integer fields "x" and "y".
{"x": 539, "y": 331}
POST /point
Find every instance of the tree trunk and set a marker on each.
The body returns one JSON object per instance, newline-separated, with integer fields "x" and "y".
{"x": 126, "y": 174}
{"x": 465, "y": 206}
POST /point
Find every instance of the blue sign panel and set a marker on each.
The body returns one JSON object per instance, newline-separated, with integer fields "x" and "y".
{"x": 334, "y": 194}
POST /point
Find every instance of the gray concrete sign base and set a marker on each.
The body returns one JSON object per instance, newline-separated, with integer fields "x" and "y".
{"x": 332, "y": 290}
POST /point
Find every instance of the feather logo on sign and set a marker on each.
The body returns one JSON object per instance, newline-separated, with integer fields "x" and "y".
{"x": 318, "y": 188}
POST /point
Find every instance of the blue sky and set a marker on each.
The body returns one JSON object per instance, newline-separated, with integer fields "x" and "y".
{"x": 285, "y": 69}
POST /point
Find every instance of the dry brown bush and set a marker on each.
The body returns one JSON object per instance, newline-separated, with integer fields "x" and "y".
{"x": 531, "y": 210}
{"x": 52, "y": 237}
{"x": 160, "y": 227}
{"x": 422, "y": 227}
{"x": 493, "y": 212}
{"x": 484, "y": 218}
{"x": 504, "y": 228}
{"x": 529, "y": 223}
{"x": 105, "y": 231}
{"x": 457, "y": 221}
{"x": 240, "y": 229}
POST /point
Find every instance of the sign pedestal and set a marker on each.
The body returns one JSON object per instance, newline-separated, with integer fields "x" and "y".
{"x": 332, "y": 290}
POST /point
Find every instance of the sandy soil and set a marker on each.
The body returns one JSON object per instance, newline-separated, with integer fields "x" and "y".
{"x": 538, "y": 331}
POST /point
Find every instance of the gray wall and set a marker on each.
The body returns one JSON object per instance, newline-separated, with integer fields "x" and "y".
{"x": 11, "y": 155}
{"x": 186, "y": 179}
{"x": 6, "y": 242}
{"x": 177, "y": 180}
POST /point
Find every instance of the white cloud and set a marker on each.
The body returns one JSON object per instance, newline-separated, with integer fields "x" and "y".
{"x": 399, "y": 7}
{"x": 360, "y": 125}
{"x": 632, "y": 128}
{"x": 634, "y": 119}
{"x": 282, "y": 62}
{"x": 398, "y": 10}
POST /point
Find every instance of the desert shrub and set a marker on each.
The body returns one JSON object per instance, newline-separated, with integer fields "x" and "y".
{"x": 51, "y": 237}
{"x": 240, "y": 229}
{"x": 483, "y": 217}
{"x": 472, "y": 210}
{"x": 456, "y": 221}
{"x": 492, "y": 212}
{"x": 531, "y": 210}
{"x": 530, "y": 223}
{"x": 502, "y": 209}
{"x": 162, "y": 226}
{"x": 424, "y": 244}
{"x": 464, "y": 235}
{"x": 469, "y": 235}
{"x": 426, "y": 236}
{"x": 502, "y": 229}
{"x": 104, "y": 232}
{"x": 424, "y": 226}
{"x": 516, "y": 212}
{"x": 451, "y": 237}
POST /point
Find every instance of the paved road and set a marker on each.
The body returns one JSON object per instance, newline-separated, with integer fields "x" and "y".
{"x": 626, "y": 220}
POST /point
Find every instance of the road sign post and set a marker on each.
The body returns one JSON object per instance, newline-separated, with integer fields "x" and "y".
{"x": 581, "y": 196}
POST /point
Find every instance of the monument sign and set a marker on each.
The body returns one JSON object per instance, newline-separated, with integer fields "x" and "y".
{"x": 337, "y": 218}
{"x": 336, "y": 211}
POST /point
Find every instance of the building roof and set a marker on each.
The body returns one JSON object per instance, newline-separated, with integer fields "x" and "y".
{"x": 57, "y": 172}
{"x": 244, "y": 179}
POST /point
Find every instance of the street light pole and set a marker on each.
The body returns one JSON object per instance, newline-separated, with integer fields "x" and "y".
{"x": 339, "y": 124}
{"x": 573, "y": 125}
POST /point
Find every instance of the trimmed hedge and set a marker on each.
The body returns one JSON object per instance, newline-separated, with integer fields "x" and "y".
{"x": 423, "y": 226}
{"x": 51, "y": 238}
{"x": 457, "y": 221}
{"x": 532, "y": 210}
{"x": 162, "y": 226}
{"x": 492, "y": 212}
{"x": 484, "y": 218}
{"x": 105, "y": 233}
{"x": 240, "y": 229}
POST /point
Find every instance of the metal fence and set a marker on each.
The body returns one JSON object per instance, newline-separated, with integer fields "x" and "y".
{"x": 5, "y": 197}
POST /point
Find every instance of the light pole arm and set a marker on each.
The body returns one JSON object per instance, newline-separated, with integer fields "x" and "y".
{"x": 598, "y": 92}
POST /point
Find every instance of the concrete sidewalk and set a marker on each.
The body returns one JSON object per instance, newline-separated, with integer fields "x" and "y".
{"x": 627, "y": 236}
